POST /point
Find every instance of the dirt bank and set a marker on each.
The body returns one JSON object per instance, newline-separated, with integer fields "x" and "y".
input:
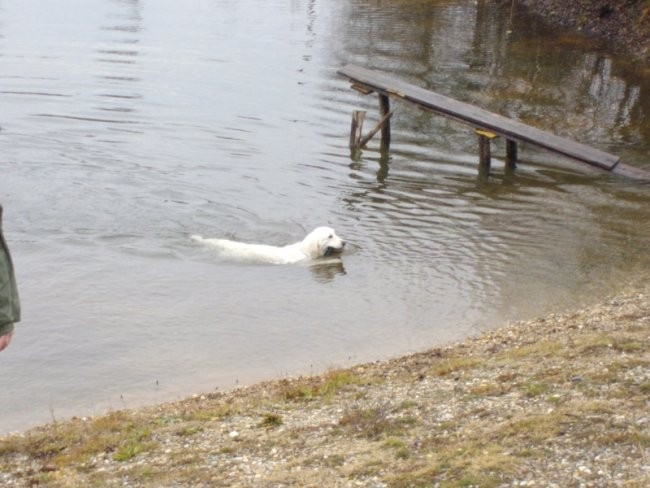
{"x": 558, "y": 401}
{"x": 624, "y": 24}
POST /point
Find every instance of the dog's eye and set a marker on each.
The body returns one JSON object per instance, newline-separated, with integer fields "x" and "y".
{"x": 330, "y": 236}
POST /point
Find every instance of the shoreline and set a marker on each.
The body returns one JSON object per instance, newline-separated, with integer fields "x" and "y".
{"x": 552, "y": 401}
{"x": 625, "y": 26}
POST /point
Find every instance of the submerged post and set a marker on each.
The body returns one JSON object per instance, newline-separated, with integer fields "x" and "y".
{"x": 484, "y": 160}
{"x": 484, "y": 156}
{"x": 356, "y": 128}
{"x": 511, "y": 154}
{"x": 384, "y": 111}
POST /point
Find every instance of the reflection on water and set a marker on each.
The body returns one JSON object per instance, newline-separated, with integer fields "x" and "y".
{"x": 327, "y": 271}
{"x": 127, "y": 126}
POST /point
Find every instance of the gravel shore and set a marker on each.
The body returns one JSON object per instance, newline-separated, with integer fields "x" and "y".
{"x": 558, "y": 401}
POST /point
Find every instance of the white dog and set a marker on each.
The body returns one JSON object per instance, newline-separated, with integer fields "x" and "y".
{"x": 320, "y": 242}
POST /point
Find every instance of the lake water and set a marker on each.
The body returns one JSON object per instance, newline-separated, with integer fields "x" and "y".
{"x": 126, "y": 126}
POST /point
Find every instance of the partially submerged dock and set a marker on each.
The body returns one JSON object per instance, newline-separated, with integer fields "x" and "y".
{"x": 487, "y": 125}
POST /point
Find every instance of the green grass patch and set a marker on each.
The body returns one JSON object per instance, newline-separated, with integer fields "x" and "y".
{"x": 210, "y": 412}
{"x": 596, "y": 343}
{"x": 189, "y": 430}
{"x": 534, "y": 389}
{"x": 135, "y": 442}
{"x": 408, "y": 404}
{"x": 533, "y": 428}
{"x": 399, "y": 446}
{"x": 326, "y": 386}
{"x": 541, "y": 349}
{"x": 76, "y": 441}
{"x": 447, "y": 366}
{"x": 394, "y": 443}
{"x": 402, "y": 453}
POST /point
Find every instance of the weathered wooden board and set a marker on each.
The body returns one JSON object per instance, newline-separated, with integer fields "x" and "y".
{"x": 478, "y": 117}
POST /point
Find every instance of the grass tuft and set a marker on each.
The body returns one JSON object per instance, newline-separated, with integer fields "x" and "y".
{"x": 374, "y": 422}
{"x": 271, "y": 421}
{"x": 534, "y": 389}
{"x": 453, "y": 364}
{"x": 311, "y": 388}
{"x": 189, "y": 430}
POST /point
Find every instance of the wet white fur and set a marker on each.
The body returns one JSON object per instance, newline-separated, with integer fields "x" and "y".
{"x": 314, "y": 246}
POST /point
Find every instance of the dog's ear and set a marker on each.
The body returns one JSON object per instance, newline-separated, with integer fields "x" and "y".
{"x": 312, "y": 246}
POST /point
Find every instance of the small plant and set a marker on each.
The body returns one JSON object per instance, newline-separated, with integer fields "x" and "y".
{"x": 271, "y": 420}
{"x": 334, "y": 461}
{"x": 370, "y": 423}
{"x": 127, "y": 451}
{"x": 133, "y": 445}
{"x": 401, "y": 450}
{"x": 189, "y": 431}
{"x": 310, "y": 388}
{"x": 453, "y": 364}
{"x": 403, "y": 453}
{"x": 217, "y": 412}
{"x": 544, "y": 348}
{"x": 534, "y": 389}
{"x": 407, "y": 404}
{"x": 375, "y": 422}
{"x": 395, "y": 443}
{"x": 489, "y": 389}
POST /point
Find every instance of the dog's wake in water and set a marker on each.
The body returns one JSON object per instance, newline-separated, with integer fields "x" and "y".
{"x": 321, "y": 242}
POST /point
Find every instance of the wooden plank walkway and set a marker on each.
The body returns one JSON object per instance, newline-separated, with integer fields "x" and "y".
{"x": 513, "y": 131}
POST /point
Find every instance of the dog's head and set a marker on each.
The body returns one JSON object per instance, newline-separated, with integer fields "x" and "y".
{"x": 322, "y": 241}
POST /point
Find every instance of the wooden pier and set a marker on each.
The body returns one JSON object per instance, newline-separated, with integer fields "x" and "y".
{"x": 487, "y": 125}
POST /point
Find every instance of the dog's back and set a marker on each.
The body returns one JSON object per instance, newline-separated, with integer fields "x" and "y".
{"x": 243, "y": 251}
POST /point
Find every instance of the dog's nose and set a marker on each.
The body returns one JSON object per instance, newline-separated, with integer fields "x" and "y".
{"x": 342, "y": 243}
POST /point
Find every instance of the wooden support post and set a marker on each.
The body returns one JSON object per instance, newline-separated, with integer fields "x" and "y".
{"x": 379, "y": 125}
{"x": 384, "y": 111}
{"x": 355, "y": 129}
{"x": 511, "y": 154}
{"x": 484, "y": 161}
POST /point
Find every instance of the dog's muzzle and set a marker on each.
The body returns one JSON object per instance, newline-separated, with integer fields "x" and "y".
{"x": 334, "y": 250}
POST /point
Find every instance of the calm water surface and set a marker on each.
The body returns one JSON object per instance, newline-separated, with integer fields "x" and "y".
{"x": 126, "y": 126}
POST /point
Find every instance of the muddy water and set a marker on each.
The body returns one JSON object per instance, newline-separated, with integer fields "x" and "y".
{"x": 126, "y": 126}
